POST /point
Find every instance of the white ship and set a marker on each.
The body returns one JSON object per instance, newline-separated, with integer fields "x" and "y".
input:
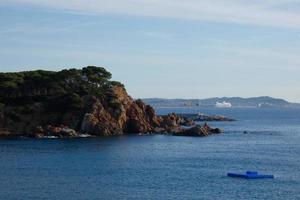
{"x": 223, "y": 104}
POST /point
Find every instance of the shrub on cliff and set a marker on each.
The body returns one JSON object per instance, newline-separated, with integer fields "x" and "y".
{"x": 1, "y": 106}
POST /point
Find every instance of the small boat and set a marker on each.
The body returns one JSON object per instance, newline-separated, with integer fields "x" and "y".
{"x": 250, "y": 175}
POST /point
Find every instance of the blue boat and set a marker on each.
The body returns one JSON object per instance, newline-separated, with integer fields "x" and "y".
{"x": 250, "y": 175}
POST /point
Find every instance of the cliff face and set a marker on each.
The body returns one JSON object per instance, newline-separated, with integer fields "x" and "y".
{"x": 130, "y": 117}
{"x": 70, "y": 102}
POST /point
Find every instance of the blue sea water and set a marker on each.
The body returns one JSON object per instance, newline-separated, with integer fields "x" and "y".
{"x": 161, "y": 167}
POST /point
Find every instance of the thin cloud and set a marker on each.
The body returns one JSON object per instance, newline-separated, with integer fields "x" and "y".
{"x": 158, "y": 35}
{"x": 276, "y": 13}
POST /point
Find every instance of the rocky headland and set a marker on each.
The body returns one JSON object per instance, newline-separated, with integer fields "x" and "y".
{"x": 79, "y": 103}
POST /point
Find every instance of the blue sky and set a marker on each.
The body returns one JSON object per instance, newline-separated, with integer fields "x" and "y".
{"x": 161, "y": 48}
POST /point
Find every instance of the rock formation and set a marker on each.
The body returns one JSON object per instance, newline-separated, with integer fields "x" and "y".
{"x": 206, "y": 118}
{"x": 198, "y": 130}
{"x": 74, "y": 102}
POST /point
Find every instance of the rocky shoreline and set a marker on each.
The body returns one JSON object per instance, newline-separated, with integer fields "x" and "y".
{"x": 80, "y": 103}
{"x": 65, "y": 132}
{"x": 62, "y": 131}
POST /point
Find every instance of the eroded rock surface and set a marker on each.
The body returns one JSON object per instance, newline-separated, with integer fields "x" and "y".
{"x": 198, "y": 130}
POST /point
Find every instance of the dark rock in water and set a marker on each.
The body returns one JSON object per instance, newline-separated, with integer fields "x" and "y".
{"x": 7, "y": 134}
{"x": 66, "y": 103}
{"x": 54, "y": 131}
{"x": 61, "y": 131}
{"x": 216, "y": 130}
{"x": 195, "y": 131}
{"x": 198, "y": 130}
{"x": 187, "y": 122}
{"x": 175, "y": 120}
{"x": 213, "y": 118}
{"x": 207, "y": 118}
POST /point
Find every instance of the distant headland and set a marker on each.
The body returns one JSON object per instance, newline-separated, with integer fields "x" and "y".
{"x": 223, "y": 102}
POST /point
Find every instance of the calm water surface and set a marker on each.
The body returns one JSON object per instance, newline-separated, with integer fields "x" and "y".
{"x": 161, "y": 167}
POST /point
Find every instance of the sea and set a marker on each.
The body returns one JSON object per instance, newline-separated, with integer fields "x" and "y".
{"x": 161, "y": 167}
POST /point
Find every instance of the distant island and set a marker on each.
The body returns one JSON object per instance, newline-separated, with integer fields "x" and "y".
{"x": 80, "y": 103}
{"x": 223, "y": 102}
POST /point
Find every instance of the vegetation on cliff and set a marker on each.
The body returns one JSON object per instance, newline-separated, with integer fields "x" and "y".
{"x": 63, "y": 88}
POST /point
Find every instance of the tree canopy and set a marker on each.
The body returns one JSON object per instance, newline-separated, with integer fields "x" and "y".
{"x": 67, "y": 85}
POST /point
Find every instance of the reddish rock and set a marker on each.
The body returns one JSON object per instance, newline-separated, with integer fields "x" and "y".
{"x": 116, "y": 114}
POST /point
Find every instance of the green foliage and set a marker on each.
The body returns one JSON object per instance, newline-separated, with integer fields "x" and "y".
{"x": 57, "y": 92}
{"x": 2, "y": 105}
{"x": 114, "y": 104}
{"x": 73, "y": 101}
{"x": 115, "y": 107}
{"x": 39, "y": 78}
{"x": 25, "y": 110}
{"x": 10, "y": 80}
{"x": 117, "y": 83}
{"x": 96, "y": 75}
{"x": 14, "y": 115}
{"x": 89, "y": 80}
{"x": 64, "y": 103}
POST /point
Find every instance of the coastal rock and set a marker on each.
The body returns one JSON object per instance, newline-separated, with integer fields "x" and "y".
{"x": 128, "y": 117}
{"x": 61, "y": 132}
{"x": 73, "y": 102}
{"x": 6, "y": 134}
{"x": 205, "y": 118}
{"x": 174, "y": 120}
{"x": 198, "y": 130}
{"x": 54, "y": 131}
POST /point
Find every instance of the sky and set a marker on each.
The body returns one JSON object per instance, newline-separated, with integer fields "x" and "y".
{"x": 161, "y": 48}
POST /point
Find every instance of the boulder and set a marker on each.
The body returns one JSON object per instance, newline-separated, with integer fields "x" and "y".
{"x": 198, "y": 130}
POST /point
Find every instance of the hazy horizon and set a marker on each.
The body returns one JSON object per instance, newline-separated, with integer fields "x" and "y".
{"x": 220, "y": 97}
{"x": 166, "y": 49}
